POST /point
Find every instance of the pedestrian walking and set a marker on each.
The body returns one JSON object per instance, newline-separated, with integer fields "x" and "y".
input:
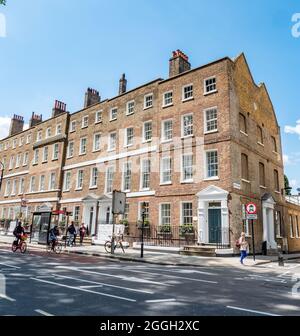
{"x": 72, "y": 234}
{"x": 82, "y": 232}
{"x": 244, "y": 247}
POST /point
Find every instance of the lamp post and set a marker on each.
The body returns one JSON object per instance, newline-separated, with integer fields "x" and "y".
{"x": 2, "y": 172}
{"x": 143, "y": 226}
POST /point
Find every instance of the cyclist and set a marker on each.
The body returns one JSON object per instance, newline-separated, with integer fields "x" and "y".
{"x": 72, "y": 234}
{"x": 53, "y": 234}
{"x": 18, "y": 232}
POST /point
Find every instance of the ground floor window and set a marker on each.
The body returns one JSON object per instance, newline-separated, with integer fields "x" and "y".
{"x": 187, "y": 213}
{"x": 278, "y": 224}
{"x": 165, "y": 214}
{"x": 291, "y": 227}
{"x": 76, "y": 214}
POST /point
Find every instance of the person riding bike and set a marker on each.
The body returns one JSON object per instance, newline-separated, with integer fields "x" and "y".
{"x": 53, "y": 234}
{"x": 18, "y": 232}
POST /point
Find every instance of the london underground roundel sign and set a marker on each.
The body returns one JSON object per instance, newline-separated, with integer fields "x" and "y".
{"x": 251, "y": 209}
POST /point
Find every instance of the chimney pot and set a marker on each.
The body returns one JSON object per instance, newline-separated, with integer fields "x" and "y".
{"x": 179, "y": 63}
{"x": 91, "y": 97}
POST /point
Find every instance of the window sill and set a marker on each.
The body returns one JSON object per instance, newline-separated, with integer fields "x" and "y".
{"x": 129, "y": 114}
{"x": 277, "y": 192}
{"x": 98, "y": 122}
{"x": 93, "y": 187}
{"x": 45, "y": 161}
{"x": 210, "y": 132}
{"x": 242, "y": 132}
{"x": 126, "y": 191}
{"x": 279, "y": 237}
{"x": 96, "y": 150}
{"x": 113, "y": 119}
{"x": 166, "y": 106}
{"x": 111, "y": 150}
{"x": 83, "y": 127}
{"x": 263, "y": 187}
{"x": 246, "y": 181}
{"x": 66, "y": 191}
{"x": 166, "y": 141}
{"x": 78, "y": 189}
{"x": 275, "y": 152}
{"x": 128, "y": 146}
{"x": 210, "y": 92}
{"x": 187, "y": 136}
{"x": 70, "y": 157}
{"x": 261, "y": 144}
{"x": 212, "y": 179}
{"x": 34, "y": 164}
{"x": 187, "y": 99}
{"x": 146, "y": 141}
{"x": 145, "y": 189}
{"x": 54, "y": 159}
{"x": 147, "y": 108}
{"x": 165, "y": 183}
{"x": 81, "y": 154}
{"x": 187, "y": 181}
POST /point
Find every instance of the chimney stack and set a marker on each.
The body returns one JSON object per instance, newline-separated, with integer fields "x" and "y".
{"x": 91, "y": 97}
{"x": 123, "y": 85}
{"x": 179, "y": 63}
{"x": 16, "y": 125}
{"x": 59, "y": 108}
{"x": 35, "y": 119}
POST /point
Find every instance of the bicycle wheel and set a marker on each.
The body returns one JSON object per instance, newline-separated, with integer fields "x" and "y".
{"x": 107, "y": 247}
{"x": 58, "y": 248}
{"x": 23, "y": 247}
{"x": 14, "y": 247}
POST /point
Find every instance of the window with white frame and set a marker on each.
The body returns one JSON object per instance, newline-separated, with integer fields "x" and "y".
{"x": 14, "y": 143}
{"x": 187, "y": 213}
{"x": 187, "y": 125}
{"x": 48, "y": 132}
{"x": 97, "y": 142}
{"x": 55, "y": 152}
{"x": 35, "y": 157}
{"x": 145, "y": 174}
{"x": 165, "y": 214}
{"x": 21, "y": 142}
{"x": 144, "y": 206}
{"x": 211, "y": 120}
{"x": 76, "y": 213}
{"x": 148, "y": 101}
{"x": 113, "y": 113}
{"x": 112, "y": 141}
{"x": 79, "y": 182}
{"x": 212, "y": 164}
{"x": 129, "y": 137}
{"x": 83, "y": 145}
{"x": 188, "y": 92}
{"x": 109, "y": 179}
{"x": 126, "y": 211}
{"x": 58, "y": 129}
{"x": 297, "y": 227}
{"x": 18, "y": 160}
{"x": 187, "y": 168}
{"x": 21, "y": 186}
{"x": 11, "y": 162}
{"x": 28, "y": 138}
{"x": 168, "y": 98}
{"x": 45, "y": 154}
{"x": 70, "y": 149}
{"x": 73, "y": 126}
{"x": 167, "y": 130}
{"x": 147, "y": 131}
{"x": 85, "y": 122}
{"x": 94, "y": 177}
{"x": 166, "y": 170}
{"x": 210, "y": 85}
{"x": 130, "y": 107}
{"x": 14, "y": 188}
{"x": 278, "y": 224}
{"x": 7, "y": 188}
{"x": 39, "y": 136}
{"x": 32, "y": 184}
{"x": 25, "y": 158}
{"x": 52, "y": 181}
{"x": 291, "y": 227}
{"x": 42, "y": 182}
{"x": 127, "y": 176}
{"x": 98, "y": 117}
{"x": 67, "y": 181}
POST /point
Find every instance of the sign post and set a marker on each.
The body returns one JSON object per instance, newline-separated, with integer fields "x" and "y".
{"x": 118, "y": 208}
{"x": 251, "y": 210}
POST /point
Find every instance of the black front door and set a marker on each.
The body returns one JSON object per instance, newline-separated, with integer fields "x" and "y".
{"x": 214, "y": 226}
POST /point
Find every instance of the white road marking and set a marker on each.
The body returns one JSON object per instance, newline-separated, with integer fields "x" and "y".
{"x": 183, "y": 271}
{"x": 160, "y": 301}
{"x": 83, "y": 290}
{"x": 122, "y": 277}
{"x": 252, "y": 311}
{"x": 103, "y": 284}
{"x": 5, "y": 297}
{"x": 93, "y": 286}
{"x": 174, "y": 276}
{"x": 42, "y": 312}
{"x": 11, "y": 266}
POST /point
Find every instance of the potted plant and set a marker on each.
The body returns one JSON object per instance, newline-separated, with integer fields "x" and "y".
{"x": 164, "y": 229}
{"x": 186, "y": 229}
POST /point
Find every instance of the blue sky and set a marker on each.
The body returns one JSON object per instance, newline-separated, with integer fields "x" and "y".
{"x": 55, "y": 49}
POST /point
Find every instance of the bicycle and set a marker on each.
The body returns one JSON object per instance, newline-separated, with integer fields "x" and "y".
{"x": 57, "y": 248}
{"x": 21, "y": 245}
{"x": 118, "y": 244}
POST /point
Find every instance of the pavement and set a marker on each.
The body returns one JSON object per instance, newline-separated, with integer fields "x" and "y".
{"x": 162, "y": 258}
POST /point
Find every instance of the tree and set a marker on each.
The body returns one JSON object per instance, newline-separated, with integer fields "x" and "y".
{"x": 2, "y": 2}
{"x": 287, "y": 186}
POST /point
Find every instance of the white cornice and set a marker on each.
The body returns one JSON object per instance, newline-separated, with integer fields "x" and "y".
{"x": 25, "y": 172}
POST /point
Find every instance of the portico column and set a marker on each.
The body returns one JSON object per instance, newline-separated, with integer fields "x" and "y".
{"x": 225, "y": 223}
{"x": 201, "y": 223}
{"x": 265, "y": 224}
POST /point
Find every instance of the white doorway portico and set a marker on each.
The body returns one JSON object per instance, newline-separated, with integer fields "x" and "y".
{"x": 268, "y": 204}
{"x": 213, "y": 216}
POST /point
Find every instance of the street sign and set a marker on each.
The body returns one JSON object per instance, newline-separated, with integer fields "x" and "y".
{"x": 119, "y": 202}
{"x": 250, "y": 216}
{"x": 251, "y": 209}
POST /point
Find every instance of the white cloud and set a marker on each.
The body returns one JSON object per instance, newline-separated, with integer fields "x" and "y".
{"x": 4, "y": 127}
{"x": 293, "y": 129}
{"x": 286, "y": 160}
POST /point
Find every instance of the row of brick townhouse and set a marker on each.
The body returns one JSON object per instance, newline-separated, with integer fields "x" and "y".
{"x": 195, "y": 147}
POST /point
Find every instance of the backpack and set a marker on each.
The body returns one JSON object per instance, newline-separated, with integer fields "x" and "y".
{"x": 237, "y": 243}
